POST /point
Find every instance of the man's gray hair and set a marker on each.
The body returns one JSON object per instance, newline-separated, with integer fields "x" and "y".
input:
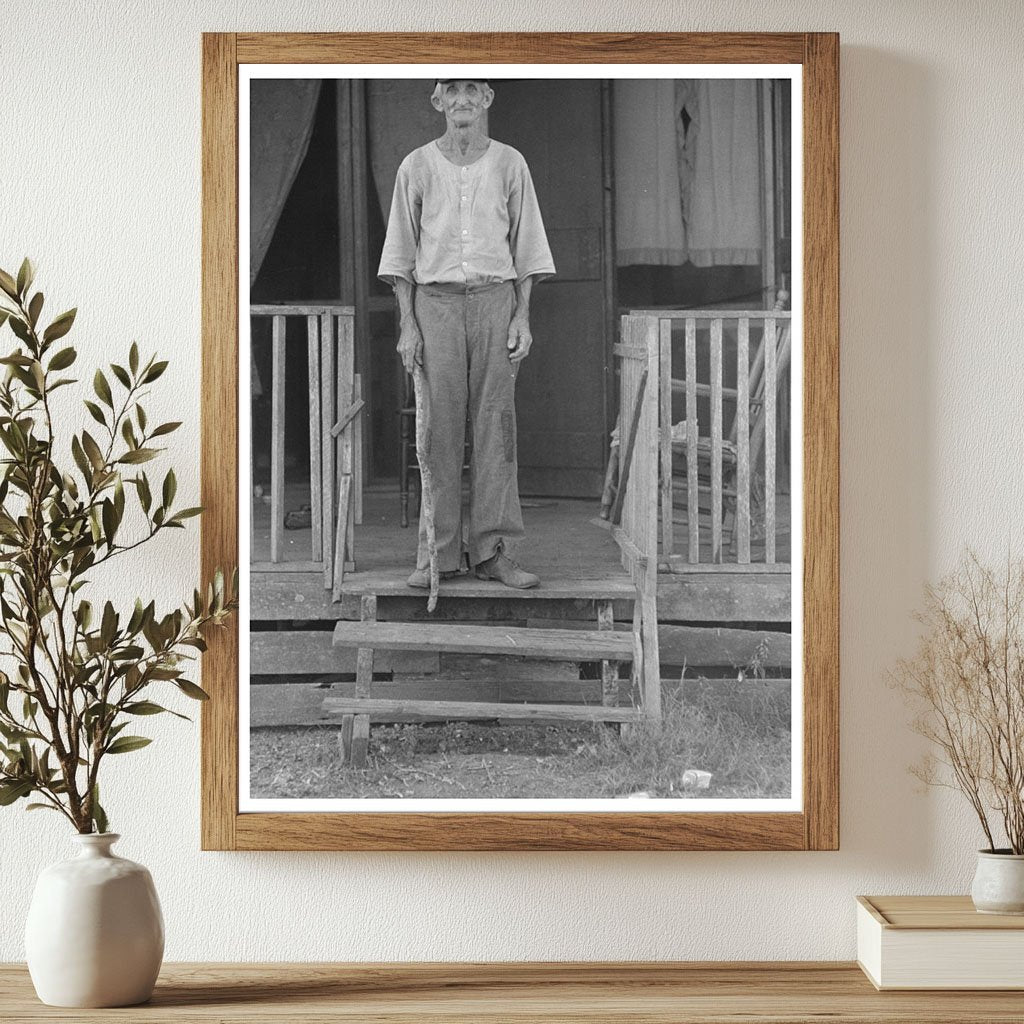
{"x": 438, "y": 82}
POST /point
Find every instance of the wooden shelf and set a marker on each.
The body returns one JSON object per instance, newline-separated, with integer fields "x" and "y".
{"x": 526, "y": 993}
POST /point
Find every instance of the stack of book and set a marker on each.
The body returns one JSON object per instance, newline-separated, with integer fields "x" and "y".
{"x": 938, "y": 942}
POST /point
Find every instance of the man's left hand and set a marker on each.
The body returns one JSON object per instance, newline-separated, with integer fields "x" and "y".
{"x": 519, "y": 339}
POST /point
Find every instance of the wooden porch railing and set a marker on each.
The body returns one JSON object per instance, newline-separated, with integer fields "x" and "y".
{"x": 723, "y": 461}
{"x": 636, "y": 532}
{"x": 335, "y": 469}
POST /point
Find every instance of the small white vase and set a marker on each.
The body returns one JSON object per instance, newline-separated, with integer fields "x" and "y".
{"x": 95, "y": 933}
{"x": 999, "y": 883}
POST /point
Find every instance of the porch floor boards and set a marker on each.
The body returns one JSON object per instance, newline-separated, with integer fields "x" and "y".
{"x": 573, "y": 558}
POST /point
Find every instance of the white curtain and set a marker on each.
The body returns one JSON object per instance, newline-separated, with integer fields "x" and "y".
{"x": 687, "y": 172}
{"x": 648, "y": 217}
{"x": 719, "y": 171}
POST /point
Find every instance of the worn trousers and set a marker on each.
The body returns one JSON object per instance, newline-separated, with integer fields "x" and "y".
{"x": 467, "y": 369}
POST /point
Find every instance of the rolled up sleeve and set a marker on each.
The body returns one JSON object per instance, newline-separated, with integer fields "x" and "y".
{"x": 527, "y": 238}
{"x": 398, "y": 257}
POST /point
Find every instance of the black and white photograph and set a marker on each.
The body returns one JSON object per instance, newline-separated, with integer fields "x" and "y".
{"x": 520, "y": 392}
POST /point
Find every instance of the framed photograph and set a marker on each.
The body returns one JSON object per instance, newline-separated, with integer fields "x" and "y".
{"x": 520, "y": 419}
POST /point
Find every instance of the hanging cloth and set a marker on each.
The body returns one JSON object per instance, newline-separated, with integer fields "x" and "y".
{"x": 718, "y": 141}
{"x": 648, "y": 219}
{"x": 282, "y": 112}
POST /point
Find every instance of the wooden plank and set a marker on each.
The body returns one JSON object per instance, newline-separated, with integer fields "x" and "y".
{"x": 364, "y": 659}
{"x": 707, "y": 646}
{"x": 650, "y": 461}
{"x": 692, "y": 495}
{"x": 502, "y": 668}
{"x": 359, "y": 741}
{"x": 346, "y": 417}
{"x": 651, "y": 677}
{"x": 678, "y": 565}
{"x": 364, "y": 274}
{"x": 219, "y": 388}
{"x": 625, "y": 463}
{"x": 721, "y": 598}
{"x": 361, "y": 450}
{"x": 716, "y": 440}
{"x": 299, "y": 565}
{"x": 341, "y": 534}
{"x": 820, "y": 344}
{"x": 277, "y": 391}
{"x": 678, "y": 386}
{"x": 297, "y": 704}
{"x": 327, "y": 385}
{"x": 804, "y": 992}
{"x": 609, "y": 669}
{"x": 315, "y": 438}
{"x": 712, "y": 646}
{"x": 312, "y": 652}
{"x": 466, "y": 710}
{"x": 743, "y": 442}
{"x": 389, "y": 584}
{"x": 345, "y": 398}
{"x": 458, "y": 638}
{"x": 301, "y": 309}
{"x": 709, "y": 314}
{"x": 629, "y": 351}
{"x": 297, "y": 596}
{"x": 770, "y": 393}
{"x": 665, "y": 434}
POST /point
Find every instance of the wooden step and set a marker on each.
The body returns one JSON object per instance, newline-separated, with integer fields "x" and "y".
{"x": 458, "y": 638}
{"x": 392, "y": 583}
{"x": 460, "y": 711}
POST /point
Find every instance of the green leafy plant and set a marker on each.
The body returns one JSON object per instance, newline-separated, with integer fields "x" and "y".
{"x": 80, "y": 673}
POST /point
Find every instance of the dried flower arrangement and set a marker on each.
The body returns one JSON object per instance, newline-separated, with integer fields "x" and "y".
{"x": 967, "y": 682}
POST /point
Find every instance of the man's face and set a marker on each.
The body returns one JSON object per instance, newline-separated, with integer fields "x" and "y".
{"x": 462, "y": 101}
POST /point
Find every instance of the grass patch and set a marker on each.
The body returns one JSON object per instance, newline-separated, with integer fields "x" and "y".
{"x": 739, "y": 732}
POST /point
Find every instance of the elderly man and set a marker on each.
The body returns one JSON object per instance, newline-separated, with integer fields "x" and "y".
{"x": 465, "y": 243}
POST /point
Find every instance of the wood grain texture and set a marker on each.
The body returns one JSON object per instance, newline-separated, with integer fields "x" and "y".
{"x": 459, "y": 638}
{"x": 821, "y": 441}
{"x": 525, "y": 993}
{"x": 817, "y": 827}
{"x": 936, "y": 912}
{"x": 219, "y": 430}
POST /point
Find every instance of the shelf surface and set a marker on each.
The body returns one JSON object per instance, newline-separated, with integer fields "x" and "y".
{"x": 657, "y": 993}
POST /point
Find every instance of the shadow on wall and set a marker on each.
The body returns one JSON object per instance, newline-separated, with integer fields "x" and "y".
{"x": 888, "y": 259}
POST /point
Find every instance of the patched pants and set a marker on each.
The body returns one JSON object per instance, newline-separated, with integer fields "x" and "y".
{"x": 466, "y": 366}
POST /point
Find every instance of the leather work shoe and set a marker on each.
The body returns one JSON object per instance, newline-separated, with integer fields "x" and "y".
{"x": 501, "y": 568}
{"x": 420, "y": 579}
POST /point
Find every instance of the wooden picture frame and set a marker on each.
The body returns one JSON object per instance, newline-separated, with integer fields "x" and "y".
{"x": 816, "y": 826}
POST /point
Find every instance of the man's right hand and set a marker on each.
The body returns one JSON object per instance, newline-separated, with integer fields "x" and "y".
{"x": 410, "y": 344}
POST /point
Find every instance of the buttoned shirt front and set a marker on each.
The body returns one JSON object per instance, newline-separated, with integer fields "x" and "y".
{"x": 471, "y": 226}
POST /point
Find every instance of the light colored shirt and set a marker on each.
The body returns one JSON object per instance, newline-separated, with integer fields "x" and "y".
{"x": 470, "y": 225}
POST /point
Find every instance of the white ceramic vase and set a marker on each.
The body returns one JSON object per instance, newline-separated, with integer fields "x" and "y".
{"x": 999, "y": 883}
{"x": 95, "y": 933}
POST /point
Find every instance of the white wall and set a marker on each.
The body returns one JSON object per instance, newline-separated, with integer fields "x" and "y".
{"x": 99, "y": 182}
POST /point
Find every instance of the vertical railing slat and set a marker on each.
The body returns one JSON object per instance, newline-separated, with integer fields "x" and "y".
{"x": 277, "y": 441}
{"x": 313, "y": 357}
{"x": 346, "y": 367}
{"x": 770, "y": 374}
{"x": 652, "y": 446}
{"x": 692, "y": 481}
{"x": 327, "y": 459}
{"x": 716, "y": 440}
{"x": 743, "y": 442}
{"x": 665, "y": 434}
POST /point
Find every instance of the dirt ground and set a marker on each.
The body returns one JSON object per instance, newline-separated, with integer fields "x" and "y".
{"x": 741, "y": 736}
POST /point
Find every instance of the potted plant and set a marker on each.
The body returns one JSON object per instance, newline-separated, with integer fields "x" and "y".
{"x": 82, "y": 671}
{"x": 967, "y": 682}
